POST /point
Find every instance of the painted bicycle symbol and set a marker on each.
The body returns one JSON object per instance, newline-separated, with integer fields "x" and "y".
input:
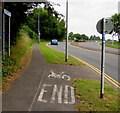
{"x": 59, "y": 76}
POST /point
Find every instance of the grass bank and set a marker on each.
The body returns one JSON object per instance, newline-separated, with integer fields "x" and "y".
{"x": 88, "y": 92}
{"x": 116, "y": 43}
{"x": 56, "y": 57}
{"x": 20, "y": 57}
{"x": 107, "y": 45}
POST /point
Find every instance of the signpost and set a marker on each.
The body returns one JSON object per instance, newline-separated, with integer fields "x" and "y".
{"x": 104, "y": 26}
{"x": 6, "y": 12}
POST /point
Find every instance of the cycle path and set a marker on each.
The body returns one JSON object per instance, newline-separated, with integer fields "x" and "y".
{"x": 34, "y": 90}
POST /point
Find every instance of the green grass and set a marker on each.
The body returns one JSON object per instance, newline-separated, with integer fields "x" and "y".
{"x": 88, "y": 91}
{"x": 20, "y": 55}
{"x": 107, "y": 45}
{"x": 10, "y": 64}
{"x": 56, "y": 57}
{"x": 116, "y": 43}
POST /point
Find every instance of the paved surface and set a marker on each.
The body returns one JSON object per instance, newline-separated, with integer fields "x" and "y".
{"x": 96, "y": 47}
{"x": 36, "y": 90}
{"x": 93, "y": 58}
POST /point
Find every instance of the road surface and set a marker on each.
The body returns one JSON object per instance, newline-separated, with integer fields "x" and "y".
{"x": 93, "y": 58}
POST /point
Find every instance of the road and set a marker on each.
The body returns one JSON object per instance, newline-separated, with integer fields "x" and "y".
{"x": 93, "y": 58}
{"x": 96, "y": 45}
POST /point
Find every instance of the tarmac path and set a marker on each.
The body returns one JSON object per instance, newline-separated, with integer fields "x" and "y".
{"x": 45, "y": 87}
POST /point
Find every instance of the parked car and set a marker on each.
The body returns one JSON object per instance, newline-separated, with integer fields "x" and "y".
{"x": 54, "y": 42}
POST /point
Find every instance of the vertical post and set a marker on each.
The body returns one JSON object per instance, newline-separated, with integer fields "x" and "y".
{"x": 3, "y": 33}
{"x": 112, "y": 40}
{"x": 66, "y": 52}
{"x": 103, "y": 61}
{"x": 9, "y": 39}
{"x": 38, "y": 26}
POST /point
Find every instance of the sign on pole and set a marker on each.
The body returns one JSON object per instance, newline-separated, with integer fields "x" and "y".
{"x": 5, "y": 12}
{"x": 104, "y": 26}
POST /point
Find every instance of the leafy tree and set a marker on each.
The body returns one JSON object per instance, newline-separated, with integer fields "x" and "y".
{"x": 93, "y": 37}
{"x": 71, "y": 35}
{"x": 19, "y": 12}
{"x": 116, "y": 21}
{"x": 84, "y": 37}
{"x": 50, "y": 25}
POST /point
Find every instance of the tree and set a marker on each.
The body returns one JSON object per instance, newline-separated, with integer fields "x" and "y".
{"x": 93, "y": 37}
{"x": 50, "y": 25}
{"x": 116, "y": 22}
{"x": 19, "y": 11}
{"x": 71, "y": 35}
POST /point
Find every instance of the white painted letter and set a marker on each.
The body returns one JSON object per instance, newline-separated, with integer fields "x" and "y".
{"x": 59, "y": 94}
{"x": 40, "y": 98}
{"x": 72, "y": 98}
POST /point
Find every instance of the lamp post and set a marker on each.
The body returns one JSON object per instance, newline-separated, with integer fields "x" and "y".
{"x": 38, "y": 26}
{"x": 66, "y": 52}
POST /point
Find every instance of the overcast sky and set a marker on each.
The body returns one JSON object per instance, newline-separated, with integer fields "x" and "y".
{"x": 84, "y": 14}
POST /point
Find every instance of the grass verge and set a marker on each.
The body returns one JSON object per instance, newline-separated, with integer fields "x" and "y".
{"x": 87, "y": 91}
{"x": 108, "y": 45}
{"x": 20, "y": 57}
{"x": 56, "y": 57}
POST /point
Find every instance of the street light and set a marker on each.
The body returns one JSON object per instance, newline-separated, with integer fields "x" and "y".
{"x": 38, "y": 26}
{"x": 66, "y": 52}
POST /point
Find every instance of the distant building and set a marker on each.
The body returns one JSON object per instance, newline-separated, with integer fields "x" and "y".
{"x": 119, "y": 7}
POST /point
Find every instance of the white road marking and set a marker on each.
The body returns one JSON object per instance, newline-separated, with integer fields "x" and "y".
{"x": 61, "y": 95}
{"x": 58, "y": 92}
{"x": 67, "y": 88}
{"x": 72, "y": 95}
{"x": 66, "y": 95}
{"x": 59, "y": 76}
{"x": 40, "y": 98}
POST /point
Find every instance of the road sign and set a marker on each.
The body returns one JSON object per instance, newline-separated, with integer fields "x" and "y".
{"x": 7, "y": 12}
{"x": 108, "y": 26}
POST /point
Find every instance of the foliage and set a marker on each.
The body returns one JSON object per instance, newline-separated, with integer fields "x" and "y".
{"x": 93, "y": 37}
{"x": 77, "y": 40}
{"x": 10, "y": 64}
{"x": 77, "y": 36}
{"x": 50, "y": 25}
{"x": 30, "y": 33}
{"x": 19, "y": 11}
{"x": 87, "y": 91}
{"x": 116, "y": 22}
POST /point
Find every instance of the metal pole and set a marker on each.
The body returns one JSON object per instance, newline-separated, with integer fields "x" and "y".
{"x": 38, "y": 27}
{"x": 112, "y": 40}
{"x": 9, "y": 39}
{"x": 66, "y": 54}
{"x": 103, "y": 61}
{"x": 3, "y": 34}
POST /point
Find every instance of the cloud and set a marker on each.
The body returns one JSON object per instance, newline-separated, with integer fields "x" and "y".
{"x": 84, "y": 14}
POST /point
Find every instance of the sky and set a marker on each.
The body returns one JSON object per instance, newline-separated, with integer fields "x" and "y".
{"x": 84, "y": 14}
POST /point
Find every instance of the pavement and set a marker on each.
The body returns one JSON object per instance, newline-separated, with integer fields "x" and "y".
{"x": 37, "y": 89}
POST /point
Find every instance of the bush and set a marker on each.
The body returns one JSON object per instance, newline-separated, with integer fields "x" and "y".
{"x": 11, "y": 64}
{"x": 77, "y": 40}
{"x": 31, "y": 33}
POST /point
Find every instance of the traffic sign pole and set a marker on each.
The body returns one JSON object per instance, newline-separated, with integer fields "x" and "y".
{"x": 103, "y": 60}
